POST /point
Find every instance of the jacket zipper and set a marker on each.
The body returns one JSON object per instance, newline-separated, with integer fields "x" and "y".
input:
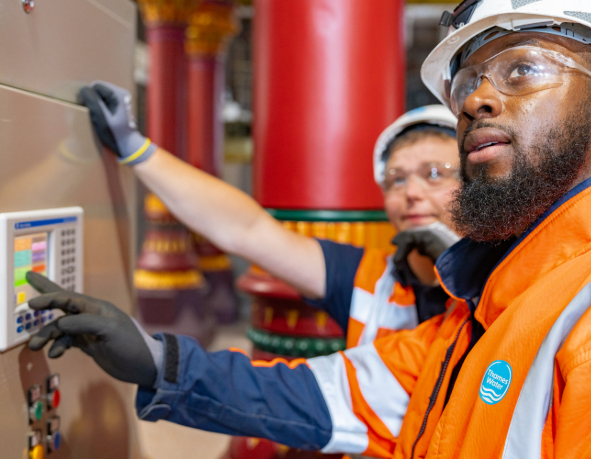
{"x": 437, "y": 388}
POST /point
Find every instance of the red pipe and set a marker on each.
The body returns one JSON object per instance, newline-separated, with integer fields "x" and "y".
{"x": 204, "y": 117}
{"x": 329, "y": 77}
{"x": 166, "y": 98}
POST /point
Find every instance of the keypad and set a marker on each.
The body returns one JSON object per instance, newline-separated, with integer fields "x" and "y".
{"x": 67, "y": 265}
{"x": 32, "y": 321}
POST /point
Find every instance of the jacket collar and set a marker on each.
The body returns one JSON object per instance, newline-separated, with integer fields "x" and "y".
{"x": 498, "y": 273}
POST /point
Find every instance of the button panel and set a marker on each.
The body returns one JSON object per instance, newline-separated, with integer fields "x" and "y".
{"x": 44, "y": 399}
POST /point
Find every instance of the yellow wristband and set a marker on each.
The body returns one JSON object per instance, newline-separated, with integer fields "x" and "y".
{"x": 138, "y": 153}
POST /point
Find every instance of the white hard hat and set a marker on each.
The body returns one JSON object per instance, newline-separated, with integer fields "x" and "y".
{"x": 434, "y": 115}
{"x": 568, "y": 18}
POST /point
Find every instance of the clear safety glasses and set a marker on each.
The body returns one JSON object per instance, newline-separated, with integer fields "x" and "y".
{"x": 430, "y": 176}
{"x": 516, "y": 71}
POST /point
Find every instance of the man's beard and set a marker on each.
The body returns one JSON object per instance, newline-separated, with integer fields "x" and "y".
{"x": 493, "y": 210}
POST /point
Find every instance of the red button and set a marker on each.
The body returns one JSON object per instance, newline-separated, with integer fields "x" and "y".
{"x": 56, "y": 398}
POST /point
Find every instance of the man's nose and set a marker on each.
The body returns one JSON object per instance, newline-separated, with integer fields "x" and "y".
{"x": 485, "y": 102}
{"x": 414, "y": 188}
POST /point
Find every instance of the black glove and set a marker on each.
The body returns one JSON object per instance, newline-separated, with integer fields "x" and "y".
{"x": 112, "y": 117}
{"x": 430, "y": 241}
{"x": 112, "y": 338}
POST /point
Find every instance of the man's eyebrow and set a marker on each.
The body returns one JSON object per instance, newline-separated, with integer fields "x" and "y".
{"x": 520, "y": 42}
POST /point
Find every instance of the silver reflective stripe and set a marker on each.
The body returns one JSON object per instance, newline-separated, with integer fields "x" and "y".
{"x": 524, "y": 439}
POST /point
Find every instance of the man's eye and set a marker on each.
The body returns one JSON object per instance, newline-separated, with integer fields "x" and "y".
{"x": 524, "y": 70}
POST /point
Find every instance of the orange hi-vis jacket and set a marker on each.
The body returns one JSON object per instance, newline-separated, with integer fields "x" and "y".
{"x": 504, "y": 373}
{"x": 380, "y": 305}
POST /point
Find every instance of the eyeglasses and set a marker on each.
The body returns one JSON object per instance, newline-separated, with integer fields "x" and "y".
{"x": 516, "y": 71}
{"x": 461, "y": 15}
{"x": 430, "y": 176}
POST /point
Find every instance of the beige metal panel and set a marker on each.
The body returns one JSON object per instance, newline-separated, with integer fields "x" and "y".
{"x": 48, "y": 159}
{"x": 62, "y": 44}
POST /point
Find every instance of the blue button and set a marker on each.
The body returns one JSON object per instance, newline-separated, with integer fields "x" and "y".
{"x": 19, "y": 329}
{"x": 57, "y": 440}
{"x": 36, "y": 313}
{"x": 19, "y": 320}
{"x": 43, "y": 319}
{"x": 36, "y": 323}
{"x": 28, "y": 317}
{"x": 28, "y": 326}
{"x": 50, "y": 316}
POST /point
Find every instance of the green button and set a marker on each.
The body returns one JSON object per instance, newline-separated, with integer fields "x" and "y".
{"x": 38, "y": 410}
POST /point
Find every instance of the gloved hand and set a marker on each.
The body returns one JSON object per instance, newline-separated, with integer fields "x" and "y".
{"x": 431, "y": 241}
{"x": 113, "y": 339}
{"x": 112, "y": 117}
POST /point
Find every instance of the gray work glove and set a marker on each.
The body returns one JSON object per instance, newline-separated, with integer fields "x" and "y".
{"x": 113, "y": 339}
{"x": 431, "y": 241}
{"x": 111, "y": 114}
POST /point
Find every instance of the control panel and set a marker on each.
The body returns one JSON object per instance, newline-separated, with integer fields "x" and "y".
{"x": 43, "y": 400}
{"x": 48, "y": 242}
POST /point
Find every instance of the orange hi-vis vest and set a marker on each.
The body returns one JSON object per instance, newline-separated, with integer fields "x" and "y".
{"x": 380, "y": 305}
{"x": 524, "y": 388}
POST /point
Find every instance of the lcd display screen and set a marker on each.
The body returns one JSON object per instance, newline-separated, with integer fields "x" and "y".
{"x": 30, "y": 254}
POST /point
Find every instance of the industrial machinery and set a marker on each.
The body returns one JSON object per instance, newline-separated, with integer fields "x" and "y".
{"x": 66, "y": 210}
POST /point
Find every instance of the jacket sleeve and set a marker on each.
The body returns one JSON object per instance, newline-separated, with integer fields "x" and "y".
{"x": 573, "y": 422}
{"x": 341, "y": 262}
{"x": 227, "y": 393}
{"x": 368, "y": 388}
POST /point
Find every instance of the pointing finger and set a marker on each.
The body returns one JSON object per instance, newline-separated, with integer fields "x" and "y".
{"x": 41, "y": 283}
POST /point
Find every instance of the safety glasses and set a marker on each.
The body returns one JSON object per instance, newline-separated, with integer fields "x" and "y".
{"x": 430, "y": 175}
{"x": 516, "y": 71}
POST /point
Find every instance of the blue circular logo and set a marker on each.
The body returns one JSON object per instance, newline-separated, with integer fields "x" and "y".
{"x": 496, "y": 382}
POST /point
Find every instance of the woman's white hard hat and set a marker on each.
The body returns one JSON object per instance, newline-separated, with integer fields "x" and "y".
{"x": 568, "y": 18}
{"x": 435, "y": 115}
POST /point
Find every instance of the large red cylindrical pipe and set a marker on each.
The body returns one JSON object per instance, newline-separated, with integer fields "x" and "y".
{"x": 329, "y": 77}
{"x": 204, "y": 117}
{"x": 166, "y": 98}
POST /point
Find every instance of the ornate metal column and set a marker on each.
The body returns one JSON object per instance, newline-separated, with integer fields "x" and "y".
{"x": 212, "y": 26}
{"x": 329, "y": 77}
{"x": 168, "y": 281}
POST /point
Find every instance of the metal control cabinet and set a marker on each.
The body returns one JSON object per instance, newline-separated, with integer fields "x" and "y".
{"x": 49, "y": 159}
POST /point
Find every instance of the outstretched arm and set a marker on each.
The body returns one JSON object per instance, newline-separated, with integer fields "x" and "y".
{"x": 351, "y": 402}
{"x": 229, "y": 218}
{"x": 178, "y": 381}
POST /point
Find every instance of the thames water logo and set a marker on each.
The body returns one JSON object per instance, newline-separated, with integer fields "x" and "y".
{"x": 496, "y": 382}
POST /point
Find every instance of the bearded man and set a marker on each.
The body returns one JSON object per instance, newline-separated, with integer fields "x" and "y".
{"x": 505, "y": 372}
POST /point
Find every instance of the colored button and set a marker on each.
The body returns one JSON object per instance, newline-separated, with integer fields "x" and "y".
{"x": 28, "y": 316}
{"x": 37, "y": 313}
{"x": 50, "y": 316}
{"x": 55, "y": 398}
{"x": 57, "y": 441}
{"x": 19, "y": 329}
{"x": 37, "y": 452}
{"x": 19, "y": 320}
{"x": 35, "y": 323}
{"x": 27, "y": 326}
{"x": 37, "y": 410}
